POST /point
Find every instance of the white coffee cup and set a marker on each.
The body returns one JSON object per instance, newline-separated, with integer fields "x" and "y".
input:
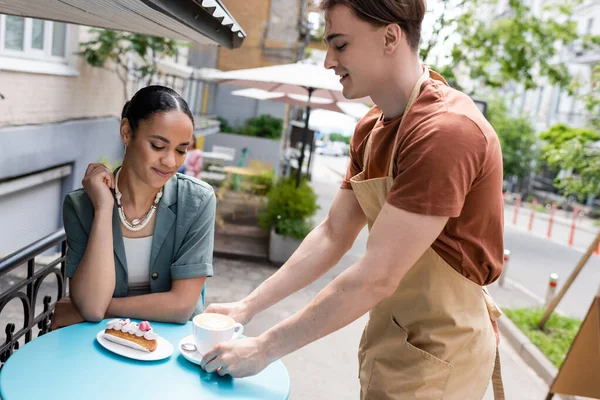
{"x": 211, "y": 329}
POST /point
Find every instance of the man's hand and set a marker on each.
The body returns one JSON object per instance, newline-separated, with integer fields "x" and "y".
{"x": 238, "y": 358}
{"x": 238, "y": 311}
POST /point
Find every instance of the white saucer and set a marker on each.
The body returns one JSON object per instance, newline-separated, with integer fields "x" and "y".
{"x": 192, "y": 356}
{"x": 163, "y": 350}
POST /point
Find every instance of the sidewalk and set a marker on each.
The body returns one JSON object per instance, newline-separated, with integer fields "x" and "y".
{"x": 583, "y": 236}
{"x": 560, "y": 216}
{"x": 328, "y": 369}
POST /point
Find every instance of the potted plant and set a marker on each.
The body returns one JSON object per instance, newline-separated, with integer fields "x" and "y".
{"x": 287, "y": 216}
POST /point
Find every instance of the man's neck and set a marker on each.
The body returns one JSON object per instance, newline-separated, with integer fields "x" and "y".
{"x": 393, "y": 97}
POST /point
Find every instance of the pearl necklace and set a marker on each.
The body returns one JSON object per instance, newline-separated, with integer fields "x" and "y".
{"x": 136, "y": 224}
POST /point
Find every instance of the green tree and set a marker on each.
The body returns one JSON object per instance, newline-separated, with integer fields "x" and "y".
{"x": 558, "y": 135}
{"x": 517, "y": 46}
{"x": 576, "y": 154}
{"x": 111, "y": 50}
{"x": 517, "y": 138}
{"x": 338, "y": 137}
{"x": 580, "y": 163}
{"x": 592, "y": 99}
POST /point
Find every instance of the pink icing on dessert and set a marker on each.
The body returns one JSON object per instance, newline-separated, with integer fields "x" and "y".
{"x": 125, "y": 325}
{"x": 145, "y": 326}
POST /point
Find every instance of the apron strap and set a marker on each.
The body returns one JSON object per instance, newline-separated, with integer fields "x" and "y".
{"x": 411, "y": 99}
{"x": 497, "y": 384}
{"x": 491, "y": 305}
{"x": 495, "y": 313}
{"x": 367, "y": 151}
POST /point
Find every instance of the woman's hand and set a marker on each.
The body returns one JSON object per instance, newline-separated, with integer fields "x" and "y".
{"x": 97, "y": 182}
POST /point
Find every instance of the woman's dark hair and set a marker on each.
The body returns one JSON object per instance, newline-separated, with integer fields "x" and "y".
{"x": 151, "y": 100}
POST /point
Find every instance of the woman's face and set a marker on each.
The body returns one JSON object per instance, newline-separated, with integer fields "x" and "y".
{"x": 356, "y": 51}
{"x": 159, "y": 147}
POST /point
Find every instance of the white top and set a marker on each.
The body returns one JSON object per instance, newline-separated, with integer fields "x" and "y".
{"x": 137, "y": 252}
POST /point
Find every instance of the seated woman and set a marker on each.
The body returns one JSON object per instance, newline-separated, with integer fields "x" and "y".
{"x": 193, "y": 160}
{"x": 140, "y": 242}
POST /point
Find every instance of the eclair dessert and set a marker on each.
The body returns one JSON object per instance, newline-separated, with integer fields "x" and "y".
{"x": 131, "y": 334}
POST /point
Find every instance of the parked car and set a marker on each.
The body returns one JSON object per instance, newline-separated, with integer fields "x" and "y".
{"x": 331, "y": 150}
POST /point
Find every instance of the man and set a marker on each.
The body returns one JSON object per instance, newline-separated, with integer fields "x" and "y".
{"x": 426, "y": 176}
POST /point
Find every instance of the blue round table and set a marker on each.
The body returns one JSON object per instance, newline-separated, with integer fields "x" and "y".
{"x": 69, "y": 364}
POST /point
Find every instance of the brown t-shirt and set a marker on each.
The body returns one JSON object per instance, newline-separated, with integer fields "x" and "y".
{"x": 448, "y": 162}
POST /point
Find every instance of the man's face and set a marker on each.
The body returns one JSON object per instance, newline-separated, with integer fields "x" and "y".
{"x": 355, "y": 52}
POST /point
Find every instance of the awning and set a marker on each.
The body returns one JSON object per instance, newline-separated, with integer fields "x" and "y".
{"x": 202, "y": 21}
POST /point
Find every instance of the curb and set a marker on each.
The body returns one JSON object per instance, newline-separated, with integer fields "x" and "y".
{"x": 529, "y": 353}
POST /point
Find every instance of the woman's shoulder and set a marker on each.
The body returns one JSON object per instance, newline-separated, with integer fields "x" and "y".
{"x": 187, "y": 183}
{"x": 79, "y": 200}
{"x": 192, "y": 192}
{"x": 78, "y": 204}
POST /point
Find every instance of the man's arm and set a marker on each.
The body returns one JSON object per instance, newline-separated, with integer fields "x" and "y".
{"x": 391, "y": 252}
{"x": 318, "y": 253}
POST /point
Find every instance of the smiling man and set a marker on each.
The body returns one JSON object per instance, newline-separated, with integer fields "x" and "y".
{"x": 426, "y": 176}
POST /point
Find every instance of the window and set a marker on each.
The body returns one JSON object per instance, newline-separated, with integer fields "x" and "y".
{"x": 540, "y": 98}
{"x": 59, "y": 34}
{"x": 31, "y": 38}
{"x": 590, "y": 26}
{"x": 558, "y": 99}
{"x": 37, "y": 34}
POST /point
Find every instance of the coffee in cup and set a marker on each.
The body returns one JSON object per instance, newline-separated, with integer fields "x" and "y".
{"x": 214, "y": 321}
{"x": 210, "y": 329}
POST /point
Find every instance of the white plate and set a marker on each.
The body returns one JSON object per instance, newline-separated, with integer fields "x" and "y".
{"x": 192, "y": 356}
{"x": 163, "y": 350}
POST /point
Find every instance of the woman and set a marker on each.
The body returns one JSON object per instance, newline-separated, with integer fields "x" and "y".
{"x": 140, "y": 241}
{"x": 193, "y": 160}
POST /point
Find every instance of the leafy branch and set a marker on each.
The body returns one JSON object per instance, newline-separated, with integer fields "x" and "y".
{"x": 113, "y": 50}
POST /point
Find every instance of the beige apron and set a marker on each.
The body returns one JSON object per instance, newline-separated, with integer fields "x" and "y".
{"x": 432, "y": 339}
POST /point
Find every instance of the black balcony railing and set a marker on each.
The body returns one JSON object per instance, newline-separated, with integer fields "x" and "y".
{"x": 191, "y": 88}
{"x": 26, "y": 287}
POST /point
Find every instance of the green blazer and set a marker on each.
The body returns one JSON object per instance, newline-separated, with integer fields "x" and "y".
{"x": 182, "y": 245}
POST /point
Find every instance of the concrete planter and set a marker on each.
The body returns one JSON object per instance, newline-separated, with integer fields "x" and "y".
{"x": 281, "y": 247}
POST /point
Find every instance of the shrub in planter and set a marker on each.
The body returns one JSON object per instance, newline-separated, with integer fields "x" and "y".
{"x": 287, "y": 216}
{"x": 293, "y": 228}
{"x": 224, "y": 126}
{"x": 288, "y": 205}
{"x": 264, "y": 126}
{"x": 263, "y": 183}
